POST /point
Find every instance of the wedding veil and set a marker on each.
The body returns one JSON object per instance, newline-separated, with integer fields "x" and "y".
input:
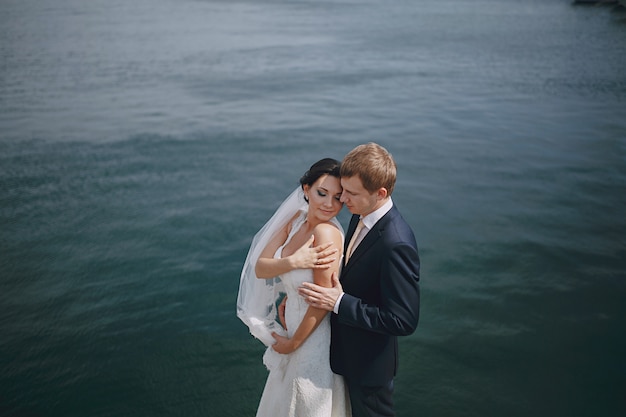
{"x": 257, "y": 298}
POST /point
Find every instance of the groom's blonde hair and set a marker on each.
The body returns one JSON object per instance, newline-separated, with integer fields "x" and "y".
{"x": 373, "y": 165}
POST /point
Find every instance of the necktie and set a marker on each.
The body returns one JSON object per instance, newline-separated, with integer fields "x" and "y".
{"x": 355, "y": 236}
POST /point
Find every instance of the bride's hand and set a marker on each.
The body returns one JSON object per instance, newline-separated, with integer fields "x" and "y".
{"x": 317, "y": 257}
{"x": 283, "y": 344}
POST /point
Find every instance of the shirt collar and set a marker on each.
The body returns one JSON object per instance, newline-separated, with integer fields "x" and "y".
{"x": 371, "y": 219}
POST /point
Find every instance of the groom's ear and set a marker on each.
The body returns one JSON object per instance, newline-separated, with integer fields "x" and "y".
{"x": 382, "y": 193}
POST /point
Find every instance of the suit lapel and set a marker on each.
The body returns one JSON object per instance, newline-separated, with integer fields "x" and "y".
{"x": 351, "y": 228}
{"x": 372, "y": 236}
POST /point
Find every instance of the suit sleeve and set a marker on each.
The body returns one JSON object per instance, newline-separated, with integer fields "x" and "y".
{"x": 397, "y": 313}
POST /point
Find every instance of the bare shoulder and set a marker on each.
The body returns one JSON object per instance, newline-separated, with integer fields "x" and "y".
{"x": 327, "y": 232}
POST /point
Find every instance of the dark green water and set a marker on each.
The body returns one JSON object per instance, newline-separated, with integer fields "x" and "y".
{"x": 142, "y": 145}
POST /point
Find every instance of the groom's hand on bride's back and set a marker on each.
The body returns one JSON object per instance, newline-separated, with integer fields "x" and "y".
{"x": 320, "y": 297}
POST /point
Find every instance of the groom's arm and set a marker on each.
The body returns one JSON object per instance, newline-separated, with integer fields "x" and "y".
{"x": 398, "y": 311}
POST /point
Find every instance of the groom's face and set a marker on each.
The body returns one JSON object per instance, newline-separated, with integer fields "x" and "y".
{"x": 357, "y": 198}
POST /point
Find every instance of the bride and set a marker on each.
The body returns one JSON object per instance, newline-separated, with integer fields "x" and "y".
{"x": 300, "y": 382}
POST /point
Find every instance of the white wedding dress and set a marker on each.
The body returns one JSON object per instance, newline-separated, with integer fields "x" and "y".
{"x": 301, "y": 384}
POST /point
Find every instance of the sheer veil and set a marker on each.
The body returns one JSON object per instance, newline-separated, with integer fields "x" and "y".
{"x": 257, "y": 298}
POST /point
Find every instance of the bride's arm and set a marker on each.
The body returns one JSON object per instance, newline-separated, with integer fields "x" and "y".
{"x": 313, "y": 317}
{"x": 320, "y": 257}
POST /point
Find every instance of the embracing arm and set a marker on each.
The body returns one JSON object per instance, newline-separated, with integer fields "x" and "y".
{"x": 324, "y": 233}
{"x": 320, "y": 257}
{"x": 398, "y": 312}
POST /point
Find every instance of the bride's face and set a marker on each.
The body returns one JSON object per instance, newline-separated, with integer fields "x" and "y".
{"x": 324, "y": 196}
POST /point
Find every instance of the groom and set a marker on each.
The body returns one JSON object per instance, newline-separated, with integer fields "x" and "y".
{"x": 377, "y": 297}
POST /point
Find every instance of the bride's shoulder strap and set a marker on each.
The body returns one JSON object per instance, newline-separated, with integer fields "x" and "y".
{"x": 291, "y": 221}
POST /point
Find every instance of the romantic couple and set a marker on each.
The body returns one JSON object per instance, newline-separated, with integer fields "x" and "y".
{"x": 342, "y": 363}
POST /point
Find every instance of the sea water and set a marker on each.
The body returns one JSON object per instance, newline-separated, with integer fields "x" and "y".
{"x": 143, "y": 143}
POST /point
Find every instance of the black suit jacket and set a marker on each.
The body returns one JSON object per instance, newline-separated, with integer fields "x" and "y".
{"x": 381, "y": 302}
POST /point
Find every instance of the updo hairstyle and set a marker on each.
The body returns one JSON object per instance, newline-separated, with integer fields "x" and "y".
{"x": 324, "y": 166}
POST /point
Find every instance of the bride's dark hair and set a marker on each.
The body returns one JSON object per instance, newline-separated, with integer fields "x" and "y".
{"x": 324, "y": 166}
